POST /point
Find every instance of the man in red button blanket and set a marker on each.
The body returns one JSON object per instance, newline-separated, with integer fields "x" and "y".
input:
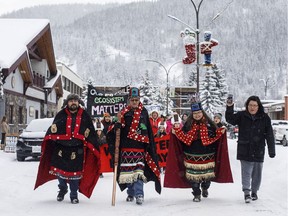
{"x": 70, "y": 152}
{"x": 197, "y": 155}
{"x": 138, "y": 162}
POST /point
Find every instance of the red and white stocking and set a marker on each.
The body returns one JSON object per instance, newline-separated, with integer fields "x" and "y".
{"x": 191, "y": 54}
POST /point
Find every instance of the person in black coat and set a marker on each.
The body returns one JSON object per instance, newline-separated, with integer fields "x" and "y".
{"x": 255, "y": 130}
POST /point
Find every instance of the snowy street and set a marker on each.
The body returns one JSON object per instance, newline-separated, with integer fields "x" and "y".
{"x": 18, "y": 197}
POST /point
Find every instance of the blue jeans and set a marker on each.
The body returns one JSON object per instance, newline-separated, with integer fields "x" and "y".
{"x": 135, "y": 189}
{"x": 74, "y": 186}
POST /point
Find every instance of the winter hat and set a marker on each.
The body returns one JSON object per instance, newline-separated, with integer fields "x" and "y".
{"x": 154, "y": 111}
{"x": 196, "y": 107}
{"x": 73, "y": 97}
{"x": 134, "y": 92}
{"x": 162, "y": 125}
{"x": 218, "y": 115}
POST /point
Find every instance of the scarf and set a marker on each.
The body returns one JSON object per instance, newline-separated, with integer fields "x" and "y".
{"x": 193, "y": 135}
{"x": 132, "y": 134}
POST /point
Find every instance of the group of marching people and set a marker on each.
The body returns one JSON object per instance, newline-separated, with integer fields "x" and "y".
{"x": 197, "y": 154}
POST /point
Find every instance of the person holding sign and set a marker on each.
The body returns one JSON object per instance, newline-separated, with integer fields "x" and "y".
{"x": 138, "y": 162}
{"x": 197, "y": 155}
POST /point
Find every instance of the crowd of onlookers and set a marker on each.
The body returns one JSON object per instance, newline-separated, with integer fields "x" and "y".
{"x": 161, "y": 125}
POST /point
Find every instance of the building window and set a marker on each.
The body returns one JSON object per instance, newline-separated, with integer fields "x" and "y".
{"x": 36, "y": 114}
{"x": 11, "y": 114}
{"x": 20, "y": 121}
{"x": 31, "y": 111}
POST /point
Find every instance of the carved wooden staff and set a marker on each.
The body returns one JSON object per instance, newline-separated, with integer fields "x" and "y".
{"x": 116, "y": 160}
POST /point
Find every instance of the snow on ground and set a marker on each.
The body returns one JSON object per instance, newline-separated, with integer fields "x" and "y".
{"x": 18, "y": 197}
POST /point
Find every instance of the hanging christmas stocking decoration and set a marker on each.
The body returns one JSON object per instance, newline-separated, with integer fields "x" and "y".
{"x": 190, "y": 47}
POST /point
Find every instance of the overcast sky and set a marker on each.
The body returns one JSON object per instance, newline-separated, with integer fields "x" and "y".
{"x": 7, "y": 6}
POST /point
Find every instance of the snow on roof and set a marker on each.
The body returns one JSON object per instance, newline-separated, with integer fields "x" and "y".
{"x": 51, "y": 82}
{"x": 15, "y": 35}
{"x": 269, "y": 103}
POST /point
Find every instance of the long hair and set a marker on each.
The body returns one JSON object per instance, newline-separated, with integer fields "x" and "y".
{"x": 257, "y": 99}
{"x": 3, "y": 119}
{"x": 190, "y": 120}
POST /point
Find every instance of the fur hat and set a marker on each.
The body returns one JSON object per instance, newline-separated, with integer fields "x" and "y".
{"x": 134, "y": 92}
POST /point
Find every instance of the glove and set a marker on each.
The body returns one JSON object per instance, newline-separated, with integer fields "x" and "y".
{"x": 271, "y": 155}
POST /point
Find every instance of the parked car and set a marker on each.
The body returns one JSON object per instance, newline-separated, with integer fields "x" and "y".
{"x": 30, "y": 140}
{"x": 280, "y": 128}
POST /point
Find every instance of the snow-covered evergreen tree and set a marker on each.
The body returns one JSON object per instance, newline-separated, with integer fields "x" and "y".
{"x": 151, "y": 94}
{"x": 221, "y": 85}
{"x": 210, "y": 93}
{"x": 192, "y": 78}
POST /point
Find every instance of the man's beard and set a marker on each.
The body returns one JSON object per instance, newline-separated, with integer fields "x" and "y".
{"x": 73, "y": 107}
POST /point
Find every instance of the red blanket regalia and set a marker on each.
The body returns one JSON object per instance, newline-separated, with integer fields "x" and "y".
{"x": 175, "y": 169}
{"x": 91, "y": 165}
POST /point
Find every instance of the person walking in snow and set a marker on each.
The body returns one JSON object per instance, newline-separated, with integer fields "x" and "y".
{"x": 197, "y": 155}
{"x": 4, "y": 131}
{"x": 138, "y": 162}
{"x": 70, "y": 152}
{"x": 255, "y": 130}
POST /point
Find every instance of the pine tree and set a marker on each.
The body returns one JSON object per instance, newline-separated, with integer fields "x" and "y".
{"x": 151, "y": 94}
{"x": 192, "y": 78}
{"x": 209, "y": 93}
{"x": 221, "y": 84}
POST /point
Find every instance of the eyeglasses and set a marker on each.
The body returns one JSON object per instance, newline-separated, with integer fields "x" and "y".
{"x": 252, "y": 105}
{"x": 134, "y": 100}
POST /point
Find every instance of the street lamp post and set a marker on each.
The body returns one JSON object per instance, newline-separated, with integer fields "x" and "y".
{"x": 167, "y": 78}
{"x": 196, "y": 8}
{"x": 197, "y": 31}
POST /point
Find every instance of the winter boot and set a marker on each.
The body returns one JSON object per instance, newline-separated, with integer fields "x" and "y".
{"x": 204, "y": 193}
{"x": 129, "y": 198}
{"x": 74, "y": 200}
{"x": 254, "y": 196}
{"x": 139, "y": 200}
{"x": 61, "y": 194}
{"x": 197, "y": 198}
{"x": 247, "y": 198}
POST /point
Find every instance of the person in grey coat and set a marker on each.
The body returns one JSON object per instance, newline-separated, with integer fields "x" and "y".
{"x": 255, "y": 131}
